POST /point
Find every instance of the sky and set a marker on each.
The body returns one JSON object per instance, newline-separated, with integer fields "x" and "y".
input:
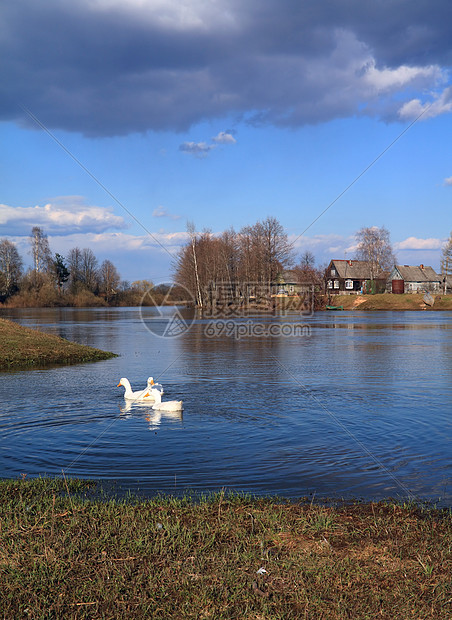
{"x": 121, "y": 121}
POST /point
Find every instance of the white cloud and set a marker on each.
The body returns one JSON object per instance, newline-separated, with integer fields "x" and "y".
{"x": 121, "y": 242}
{"x": 199, "y": 149}
{"x": 224, "y": 137}
{"x": 202, "y": 149}
{"x": 65, "y": 215}
{"x": 162, "y": 212}
{"x": 324, "y": 247}
{"x": 324, "y": 241}
{"x": 441, "y": 104}
{"x": 414, "y": 243}
{"x": 448, "y": 181}
{"x": 394, "y": 79}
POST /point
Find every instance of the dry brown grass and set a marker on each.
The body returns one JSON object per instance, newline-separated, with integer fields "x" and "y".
{"x": 386, "y": 301}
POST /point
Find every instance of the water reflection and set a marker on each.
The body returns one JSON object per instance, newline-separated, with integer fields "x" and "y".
{"x": 154, "y": 418}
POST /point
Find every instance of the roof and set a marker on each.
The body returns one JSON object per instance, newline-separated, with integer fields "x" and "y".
{"x": 353, "y": 269}
{"x": 288, "y": 276}
{"x": 421, "y": 273}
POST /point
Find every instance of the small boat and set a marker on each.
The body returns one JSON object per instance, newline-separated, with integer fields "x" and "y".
{"x": 428, "y": 298}
{"x": 334, "y": 307}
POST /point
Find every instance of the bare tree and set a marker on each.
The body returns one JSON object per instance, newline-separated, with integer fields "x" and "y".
{"x": 276, "y": 253}
{"x": 306, "y": 271}
{"x": 40, "y": 250}
{"x": 109, "y": 279}
{"x": 10, "y": 268}
{"x": 307, "y": 260}
{"x": 74, "y": 261}
{"x": 88, "y": 270}
{"x": 254, "y": 255}
{"x": 193, "y": 240}
{"x": 374, "y": 246}
{"x": 446, "y": 258}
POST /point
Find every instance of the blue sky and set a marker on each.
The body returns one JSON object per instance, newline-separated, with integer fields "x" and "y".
{"x": 223, "y": 113}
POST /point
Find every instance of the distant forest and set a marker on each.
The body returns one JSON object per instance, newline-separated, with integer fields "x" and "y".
{"x": 73, "y": 280}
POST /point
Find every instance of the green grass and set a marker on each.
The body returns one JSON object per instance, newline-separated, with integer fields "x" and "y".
{"x": 64, "y": 555}
{"x": 22, "y": 347}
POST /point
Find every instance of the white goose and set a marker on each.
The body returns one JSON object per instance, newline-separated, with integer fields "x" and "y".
{"x": 151, "y": 384}
{"x": 169, "y": 405}
{"x": 141, "y": 396}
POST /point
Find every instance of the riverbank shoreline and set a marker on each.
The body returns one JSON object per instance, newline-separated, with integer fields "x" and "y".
{"x": 22, "y": 348}
{"x": 389, "y": 302}
{"x": 379, "y": 301}
{"x": 226, "y": 556}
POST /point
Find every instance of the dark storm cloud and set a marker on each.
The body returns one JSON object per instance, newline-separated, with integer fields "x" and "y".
{"x": 105, "y": 67}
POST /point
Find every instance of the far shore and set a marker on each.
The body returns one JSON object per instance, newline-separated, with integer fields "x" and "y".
{"x": 376, "y": 302}
{"x": 388, "y": 301}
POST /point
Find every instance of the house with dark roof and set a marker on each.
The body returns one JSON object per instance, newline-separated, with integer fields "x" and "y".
{"x": 413, "y": 279}
{"x": 351, "y": 276}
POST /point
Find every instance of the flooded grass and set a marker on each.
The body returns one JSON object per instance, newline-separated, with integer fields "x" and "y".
{"x": 22, "y": 347}
{"x": 65, "y": 555}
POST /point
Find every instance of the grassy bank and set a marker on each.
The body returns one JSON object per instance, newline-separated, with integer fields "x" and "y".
{"x": 386, "y": 301}
{"x": 22, "y": 347}
{"x": 63, "y": 556}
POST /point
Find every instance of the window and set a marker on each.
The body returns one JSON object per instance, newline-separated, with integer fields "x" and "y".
{"x": 349, "y": 284}
{"x": 336, "y": 283}
{"x": 330, "y": 284}
{"x": 333, "y": 272}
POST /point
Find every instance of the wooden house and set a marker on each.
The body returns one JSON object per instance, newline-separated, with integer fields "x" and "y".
{"x": 413, "y": 279}
{"x": 351, "y": 277}
{"x": 288, "y": 284}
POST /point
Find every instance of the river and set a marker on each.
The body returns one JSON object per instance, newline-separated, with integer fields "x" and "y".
{"x": 352, "y": 405}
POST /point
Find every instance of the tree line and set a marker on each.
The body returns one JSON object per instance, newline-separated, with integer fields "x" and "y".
{"x": 55, "y": 280}
{"x": 239, "y": 263}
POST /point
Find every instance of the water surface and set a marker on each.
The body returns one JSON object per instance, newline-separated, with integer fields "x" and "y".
{"x": 359, "y": 405}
